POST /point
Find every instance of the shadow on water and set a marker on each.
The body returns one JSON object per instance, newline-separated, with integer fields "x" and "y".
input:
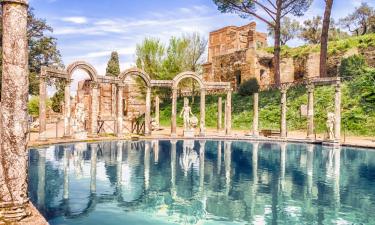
{"x": 190, "y": 182}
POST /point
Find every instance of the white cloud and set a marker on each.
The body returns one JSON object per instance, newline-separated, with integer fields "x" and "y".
{"x": 75, "y": 19}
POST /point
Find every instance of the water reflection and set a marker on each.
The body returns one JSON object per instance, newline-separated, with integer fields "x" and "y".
{"x": 187, "y": 182}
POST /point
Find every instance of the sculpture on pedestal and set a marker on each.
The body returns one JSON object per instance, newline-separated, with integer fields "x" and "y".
{"x": 330, "y": 125}
{"x": 78, "y": 126}
{"x": 189, "y": 122}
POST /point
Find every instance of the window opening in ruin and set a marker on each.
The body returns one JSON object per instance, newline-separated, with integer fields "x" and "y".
{"x": 238, "y": 77}
{"x": 262, "y": 73}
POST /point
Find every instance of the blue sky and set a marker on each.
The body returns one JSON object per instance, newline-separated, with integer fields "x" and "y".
{"x": 90, "y": 29}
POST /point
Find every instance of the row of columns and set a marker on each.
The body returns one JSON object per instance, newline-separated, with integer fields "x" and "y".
{"x": 310, "y": 112}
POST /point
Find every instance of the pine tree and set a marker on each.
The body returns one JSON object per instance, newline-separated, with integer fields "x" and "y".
{"x": 113, "y": 66}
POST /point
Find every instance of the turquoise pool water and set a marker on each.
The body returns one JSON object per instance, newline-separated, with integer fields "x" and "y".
{"x": 187, "y": 182}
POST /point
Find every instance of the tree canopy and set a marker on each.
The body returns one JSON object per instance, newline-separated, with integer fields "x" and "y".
{"x": 361, "y": 21}
{"x": 113, "y": 66}
{"x": 290, "y": 29}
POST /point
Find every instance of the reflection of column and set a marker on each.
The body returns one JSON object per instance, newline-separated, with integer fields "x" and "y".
{"x": 173, "y": 168}
{"x": 283, "y": 127}
{"x": 336, "y": 174}
{"x": 228, "y": 113}
{"x": 119, "y": 162}
{"x": 254, "y": 189}
{"x": 201, "y": 165}
{"x": 227, "y": 162}
{"x": 310, "y": 111}
{"x": 157, "y": 111}
{"x": 148, "y": 112}
{"x": 41, "y": 178}
{"x": 42, "y": 108}
{"x": 94, "y": 150}
{"x": 174, "y": 112}
{"x": 256, "y": 114}
{"x": 66, "y": 172}
{"x": 120, "y": 111}
{"x": 147, "y": 164}
{"x": 94, "y": 108}
{"x": 218, "y": 157}
{"x": 203, "y": 112}
{"x": 310, "y": 168}
{"x": 67, "y": 108}
{"x": 155, "y": 146}
{"x": 338, "y": 111}
{"x": 282, "y": 164}
{"x": 219, "y": 113}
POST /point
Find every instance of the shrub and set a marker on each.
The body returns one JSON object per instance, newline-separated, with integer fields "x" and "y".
{"x": 352, "y": 66}
{"x": 249, "y": 87}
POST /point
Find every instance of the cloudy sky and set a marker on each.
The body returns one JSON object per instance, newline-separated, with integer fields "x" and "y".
{"x": 90, "y": 29}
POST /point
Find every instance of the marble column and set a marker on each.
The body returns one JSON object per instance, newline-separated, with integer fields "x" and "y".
{"x": 113, "y": 101}
{"x": 310, "y": 168}
{"x": 14, "y": 117}
{"x": 310, "y": 111}
{"x": 256, "y": 114}
{"x": 201, "y": 165}
{"x": 120, "y": 111}
{"x": 42, "y": 108}
{"x": 155, "y": 147}
{"x": 173, "y": 169}
{"x": 218, "y": 157}
{"x": 157, "y": 111}
{"x": 219, "y": 113}
{"x": 228, "y": 113}
{"x": 283, "y": 102}
{"x": 94, "y": 108}
{"x": 148, "y": 112}
{"x": 41, "y": 178}
{"x": 338, "y": 111}
{"x": 227, "y": 163}
{"x": 94, "y": 151}
{"x": 68, "y": 108}
{"x": 174, "y": 113}
{"x": 203, "y": 113}
{"x": 283, "y": 150}
{"x": 254, "y": 189}
{"x": 120, "y": 145}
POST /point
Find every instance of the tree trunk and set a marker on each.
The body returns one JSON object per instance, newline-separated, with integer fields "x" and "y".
{"x": 276, "y": 58}
{"x": 13, "y": 153}
{"x": 324, "y": 38}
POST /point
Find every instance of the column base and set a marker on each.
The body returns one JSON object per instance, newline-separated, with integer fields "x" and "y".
{"x": 173, "y": 135}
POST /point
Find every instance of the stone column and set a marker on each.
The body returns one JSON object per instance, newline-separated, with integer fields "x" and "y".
{"x": 148, "y": 112}
{"x": 157, "y": 111}
{"x": 228, "y": 113}
{"x": 310, "y": 111}
{"x": 283, "y": 150}
{"x": 66, "y": 172}
{"x": 218, "y": 157}
{"x": 338, "y": 111}
{"x": 283, "y": 126}
{"x": 94, "y": 150}
{"x": 256, "y": 114}
{"x": 146, "y": 163}
{"x": 14, "y": 94}
{"x": 203, "y": 113}
{"x": 41, "y": 178}
{"x": 94, "y": 108}
{"x": 113, "y": 102}
{"x": 42, "y": 108}
{"x": 120, "y": 111}
{"x": 174, "y": 113}
{"x": 120, "y": 145}
{"x": 68, "y": 109}
{"x": 201, "y": 165}
{"x": 155, "y": 148}
{"x": 219, "y": 113}
{"x": 227, "y": 163}
{"x": 173, "y": 168}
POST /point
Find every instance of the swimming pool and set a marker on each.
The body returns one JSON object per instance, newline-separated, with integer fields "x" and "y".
{"x": 202, "y": 182}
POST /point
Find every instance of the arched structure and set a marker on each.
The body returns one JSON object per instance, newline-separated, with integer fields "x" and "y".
{"x": 188, "y": 74}
{"x": 83, "y": 66}
{"x": 135, "y": 72}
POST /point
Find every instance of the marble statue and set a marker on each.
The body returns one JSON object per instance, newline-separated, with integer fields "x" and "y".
{"x": 79, "y": 122}
{"x": 189, "y": 122}
{"x": 188, "y": 157}
{"x": 330, "y": 125}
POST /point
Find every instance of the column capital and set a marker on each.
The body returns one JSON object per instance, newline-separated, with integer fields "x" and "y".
{"x": 338, "y": 86}
{"x": 284, "y": 87}
{"x": 22, "y": 2}
{"x": 310, "y": 87}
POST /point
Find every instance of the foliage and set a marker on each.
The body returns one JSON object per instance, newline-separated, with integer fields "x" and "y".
{"x": 42, "y": 49}
{"x": 248, "y": 87}
{"x": 351, "y": 66}
{"x": 113, "y": 66}
{"x": 289, "y": 30}
{"x": 311, "y": 31}
{"x": 33, "y": 105}
{"x": 361, "y": 21}
{"x": 150, "y": 55}
{"x": 58, "y": 98}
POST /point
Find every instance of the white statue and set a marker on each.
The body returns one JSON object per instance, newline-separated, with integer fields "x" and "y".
{"x": 188, "y": 157}
{"x": 79, "y": 121}
{"x": 330, "y": 125}
{"x": 186, "y": 112}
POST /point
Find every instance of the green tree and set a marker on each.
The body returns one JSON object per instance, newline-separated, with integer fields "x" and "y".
{"x": 42, "y": 49}
{"x": 58, "y": 97}
{"x": 361, "y": 21}
{"x": 113, "y": 66}
{"x": 289, "y": 30}
{"x": 149, "y": 57}
{"x": 249, "y": 87}
{"x": 271, "y": 12}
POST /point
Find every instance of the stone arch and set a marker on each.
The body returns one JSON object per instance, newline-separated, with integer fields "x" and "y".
{"x": 184, "y": 75}
{"x": 84, "y": 66}
{"x": 137, "y": 72}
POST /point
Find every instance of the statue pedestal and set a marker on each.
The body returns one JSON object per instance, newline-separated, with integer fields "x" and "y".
{"x": 80, "y": 135}
{"x": 189, "y": 133}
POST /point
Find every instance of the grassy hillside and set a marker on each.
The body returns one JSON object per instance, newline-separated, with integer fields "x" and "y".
{"x": 358, "y": 115}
